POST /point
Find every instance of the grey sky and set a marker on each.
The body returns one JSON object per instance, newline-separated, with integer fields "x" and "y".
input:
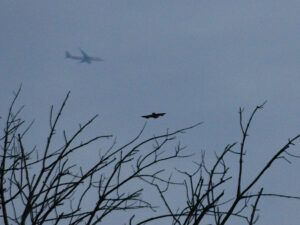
{"x": 194, "y": 60}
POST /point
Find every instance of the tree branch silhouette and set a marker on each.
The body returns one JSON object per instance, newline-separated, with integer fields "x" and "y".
{"x": 44, "y": 186}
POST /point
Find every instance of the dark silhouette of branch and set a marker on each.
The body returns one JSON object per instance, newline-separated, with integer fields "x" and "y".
{"x": 205, "y": 188}
{"x": 43, "y": 185}
{"x": 37, "y": 190}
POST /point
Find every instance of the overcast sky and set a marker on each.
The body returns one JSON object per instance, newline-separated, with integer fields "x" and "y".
{"x": 194, "y": 60}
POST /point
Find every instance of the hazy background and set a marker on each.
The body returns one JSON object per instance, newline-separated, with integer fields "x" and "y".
{"x": 195, "y": 60}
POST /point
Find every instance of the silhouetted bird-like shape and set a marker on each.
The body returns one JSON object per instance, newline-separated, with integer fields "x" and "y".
{"x": 153, "y": 115}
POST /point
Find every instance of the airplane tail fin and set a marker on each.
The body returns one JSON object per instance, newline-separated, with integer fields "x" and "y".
{"x": 68, "y": 55}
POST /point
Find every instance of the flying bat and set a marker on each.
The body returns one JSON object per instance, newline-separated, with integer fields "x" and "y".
{"x": 153, "y": 115}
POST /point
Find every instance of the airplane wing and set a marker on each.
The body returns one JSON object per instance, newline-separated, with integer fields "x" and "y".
{"x": 83, "y": 53}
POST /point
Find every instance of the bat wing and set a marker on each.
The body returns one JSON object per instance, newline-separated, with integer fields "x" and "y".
{"x": 160, "y": 114}
{"x": 147, "y": 116}
{"x": 154, "y": 115}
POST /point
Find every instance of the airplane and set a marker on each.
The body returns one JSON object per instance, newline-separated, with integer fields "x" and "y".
{"x": 84, "y": 58}
{"x": 153, "y": 115}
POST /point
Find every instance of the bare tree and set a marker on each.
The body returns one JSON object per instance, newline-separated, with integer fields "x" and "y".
{"x": 45, "y": 187}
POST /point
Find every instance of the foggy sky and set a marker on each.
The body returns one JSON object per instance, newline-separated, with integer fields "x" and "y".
{"x": 194, "y": 60}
